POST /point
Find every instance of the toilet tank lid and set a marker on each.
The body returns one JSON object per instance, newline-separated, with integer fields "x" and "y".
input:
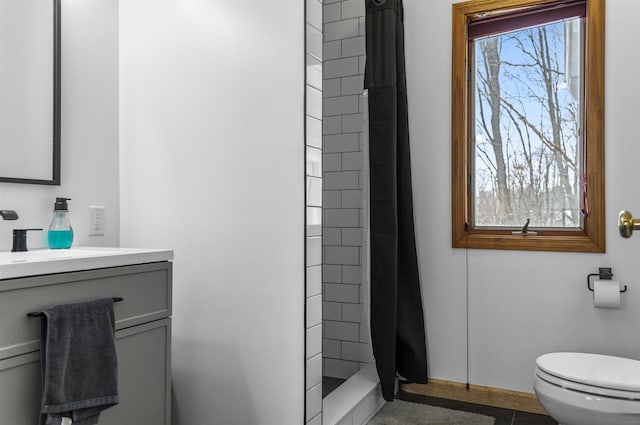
{"x": 593, "y": 369}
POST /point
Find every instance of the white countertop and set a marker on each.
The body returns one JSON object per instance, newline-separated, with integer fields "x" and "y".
{"x": 48, "y": 261}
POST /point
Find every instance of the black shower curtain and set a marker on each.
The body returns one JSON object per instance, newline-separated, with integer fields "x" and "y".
{"x": 397, "y": 321}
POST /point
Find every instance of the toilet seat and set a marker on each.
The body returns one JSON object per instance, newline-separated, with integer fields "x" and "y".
{"x": 592, "y": 373}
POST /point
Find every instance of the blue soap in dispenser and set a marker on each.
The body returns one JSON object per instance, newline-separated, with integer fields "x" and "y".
{"x": 60, "y": 233}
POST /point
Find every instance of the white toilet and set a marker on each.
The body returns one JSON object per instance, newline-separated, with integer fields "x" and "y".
{"x": 589, "y": 389}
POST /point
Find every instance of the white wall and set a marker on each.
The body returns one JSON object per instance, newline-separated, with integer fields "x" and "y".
{"x": 89, "y": 132}
{"x": 522, "y": 304}
{"x": 212, "y": 165}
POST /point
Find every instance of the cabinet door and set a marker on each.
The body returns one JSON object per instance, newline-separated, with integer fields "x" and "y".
{"x": 144, "y": 380}
{"x": 20, "y": 389}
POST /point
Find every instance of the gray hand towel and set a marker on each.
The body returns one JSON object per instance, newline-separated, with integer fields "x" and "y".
{"x": 79, "y": 362}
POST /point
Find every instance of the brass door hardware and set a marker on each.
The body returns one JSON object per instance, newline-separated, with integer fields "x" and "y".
{"x": 627, "y": 224}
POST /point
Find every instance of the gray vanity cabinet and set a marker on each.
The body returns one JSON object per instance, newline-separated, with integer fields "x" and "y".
{"x": 143, "y": 340}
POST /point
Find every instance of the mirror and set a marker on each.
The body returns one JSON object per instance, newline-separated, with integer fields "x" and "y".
{"x": 30, "y": 91}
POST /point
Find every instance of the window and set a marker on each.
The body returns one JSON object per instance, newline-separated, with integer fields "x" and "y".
{"x": 528, "y": 125}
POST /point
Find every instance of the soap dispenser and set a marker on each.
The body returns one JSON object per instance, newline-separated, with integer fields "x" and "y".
{"x": 60, "y": 233}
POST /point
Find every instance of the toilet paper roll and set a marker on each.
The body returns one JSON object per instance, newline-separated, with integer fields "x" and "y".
{"x": 606, "y": 294}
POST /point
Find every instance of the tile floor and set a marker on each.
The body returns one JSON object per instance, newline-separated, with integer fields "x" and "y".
{"x": 503, "y": 416}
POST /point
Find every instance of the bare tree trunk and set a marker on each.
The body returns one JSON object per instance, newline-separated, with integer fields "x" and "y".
{"x": 550, "y": 78}
{"x": 491, "y": 57}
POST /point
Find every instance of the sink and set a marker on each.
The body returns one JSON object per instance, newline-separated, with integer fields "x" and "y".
{"x": 47, "y": 255}
{"x": 47, "y": 261}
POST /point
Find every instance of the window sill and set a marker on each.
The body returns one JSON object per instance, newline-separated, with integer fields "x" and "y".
{"x": 578, "y": 243}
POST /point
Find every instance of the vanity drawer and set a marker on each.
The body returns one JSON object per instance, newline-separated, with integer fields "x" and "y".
{"x": 145, "y": 288}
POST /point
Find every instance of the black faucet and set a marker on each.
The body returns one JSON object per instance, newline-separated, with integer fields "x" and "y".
{"x": 20, "y": 240}
{"x": 19, "y": 235}
{"x": 8, "y": 215}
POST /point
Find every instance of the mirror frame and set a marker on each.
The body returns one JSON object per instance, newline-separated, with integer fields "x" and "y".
{"x": 55, "y": 172}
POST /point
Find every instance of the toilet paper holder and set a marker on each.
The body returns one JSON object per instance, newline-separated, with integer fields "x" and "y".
{"x": 604, "y": 273}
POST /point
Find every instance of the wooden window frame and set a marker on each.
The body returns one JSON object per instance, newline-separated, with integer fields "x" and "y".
{"x": 592, "y": 237}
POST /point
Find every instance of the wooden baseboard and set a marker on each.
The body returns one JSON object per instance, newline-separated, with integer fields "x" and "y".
{"x": 496, "y": 397}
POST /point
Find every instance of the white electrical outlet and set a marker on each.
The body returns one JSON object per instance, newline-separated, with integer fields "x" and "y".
{"x": 96, "y": 220}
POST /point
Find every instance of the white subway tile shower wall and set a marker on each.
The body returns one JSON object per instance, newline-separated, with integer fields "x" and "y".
{"x": 314, "y": 14}
{"x": 314, "y": 401}
{"x": 313, "y": 166}
{"x": 339, "y": 143}
{"x": 332, "y": 236}
{"x": 332, "y": 12}
{"x": 341, "y": 105}
{"x": 314, "y": 371}
{"x": 314, "y": 310}
{"x": 332, "y": 125}
{"x": 335, "y": 367}
{"x": 314, "y": 102}
{"x": 342, "y": 255}
{"x": 314, "y": 72}
{"x": 341, "y": 217}
{"x": 314, "y": 132}
{"x": 341, "y": 30}
{"x": 332, "y": 199}
{"x": 331, "y": 348}
{"x": 314, "y": 280}
{"x": 340, "y": 180}
{"x": 342, "y": 331}
{"x": 342, "y": 292}
{"x": 352, "y": 9}
{"x": 332, "y": 50}
{"x": 314, "y": 42}
{"x": 352, "y": 274}
{"x": 345, "y": 344}
{"x": 333, "y": 162}
{"x": 314, "y": 251}
{"x": 314, "y": 341}
{"x": 331, "y": 311}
